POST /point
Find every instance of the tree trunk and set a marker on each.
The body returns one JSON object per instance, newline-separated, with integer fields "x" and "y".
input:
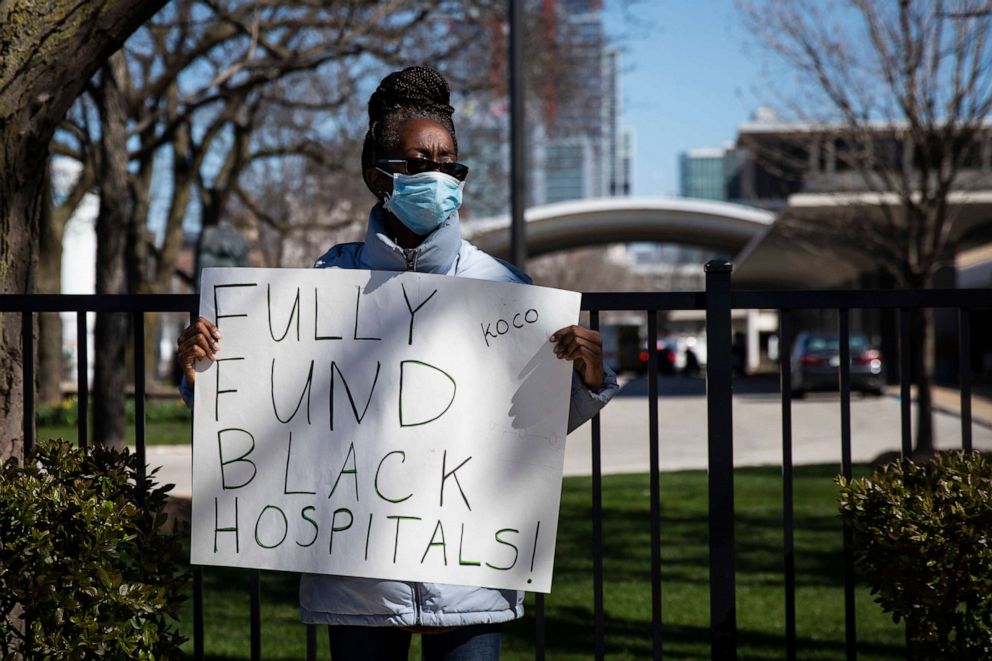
{"x": 50, "y": 368}
{"x": 138, "y": 257}
{"x": 111, "y": 332}
{"x": 50, "y": 363}
{"x": 159, "y": 278}
{"x": 21, "y": 197}
{"x": 923, "y": 366}
{"x": 50, "y": 48}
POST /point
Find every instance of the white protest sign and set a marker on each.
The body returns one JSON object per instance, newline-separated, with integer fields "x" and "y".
{"x": 388, "y": 425}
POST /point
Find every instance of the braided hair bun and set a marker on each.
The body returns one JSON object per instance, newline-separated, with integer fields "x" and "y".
{"x": 418, "y": 92}
{"x": 414, "y": 87}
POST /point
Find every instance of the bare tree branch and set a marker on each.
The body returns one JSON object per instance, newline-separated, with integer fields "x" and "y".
{"x": 916, "y": 74}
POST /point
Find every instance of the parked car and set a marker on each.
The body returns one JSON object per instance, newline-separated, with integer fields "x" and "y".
{"x": 666, "y": 357}
{"x": 816, "y": 363}
{"x": 682, "y": 354}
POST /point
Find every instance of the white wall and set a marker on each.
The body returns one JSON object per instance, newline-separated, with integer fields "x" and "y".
{"x": 78, "y": 257}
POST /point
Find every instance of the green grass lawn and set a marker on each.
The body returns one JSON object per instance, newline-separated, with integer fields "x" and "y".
{"x": 166, "y": 432}
{"x": 167, "y": 422}
{"x": 685, "y": 605}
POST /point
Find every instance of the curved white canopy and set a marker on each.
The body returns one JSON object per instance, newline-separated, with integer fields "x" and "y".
{"x": 720, "y": 225}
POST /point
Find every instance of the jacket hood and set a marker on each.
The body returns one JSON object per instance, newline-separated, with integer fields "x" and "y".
{"x": 436, "y": 254}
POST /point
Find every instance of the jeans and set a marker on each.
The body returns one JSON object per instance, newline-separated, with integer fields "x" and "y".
{"x": 479, "y": 642}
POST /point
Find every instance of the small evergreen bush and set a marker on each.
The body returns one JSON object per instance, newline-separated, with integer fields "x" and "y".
{"x": 85, "y": 558}
{"x": 923, "y": 541}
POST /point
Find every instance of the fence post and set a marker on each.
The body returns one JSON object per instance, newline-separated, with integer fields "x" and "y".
{"x": 719, "y": 374}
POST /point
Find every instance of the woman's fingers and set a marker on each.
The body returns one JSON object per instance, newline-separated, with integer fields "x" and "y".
{"x": 568, "y": 339}
{"x": 569, "y": 332}
{"x": 198, "y": 341}
{"x": 197, "y": 353}
{"x": 201, "y": 327}
{"x": 571, "y": 349}
{"x": 584, "y": 347}
{"x": 208, "y": 327}
{"x": 207, "y": 347}
{"x": 584, "y": 353}
{"x": 589, "y": 363}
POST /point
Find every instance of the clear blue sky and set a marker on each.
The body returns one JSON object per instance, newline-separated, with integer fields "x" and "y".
{"x": 688, "y": 79}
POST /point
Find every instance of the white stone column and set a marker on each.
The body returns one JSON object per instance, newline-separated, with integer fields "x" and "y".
{"x": 753, "y": 342}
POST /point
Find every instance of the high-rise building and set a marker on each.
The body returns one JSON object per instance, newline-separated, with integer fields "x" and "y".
{"x": 624, "y": 164}
{"x": 570, "y": 172}
{"x": 585, "y": 151}
{"x": 710, "y": 173}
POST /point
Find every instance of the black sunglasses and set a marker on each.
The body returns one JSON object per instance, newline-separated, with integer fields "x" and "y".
{"x": 418, "y": 165}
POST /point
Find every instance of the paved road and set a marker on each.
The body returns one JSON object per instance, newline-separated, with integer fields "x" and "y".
{"x": 757, "y": 411}
{"x": 875, "y": 428}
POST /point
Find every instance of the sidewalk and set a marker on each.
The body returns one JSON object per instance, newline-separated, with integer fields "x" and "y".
{"x": 875, "y": 428}
{"x": 757, "y": 426}
{"x": 948, "y": 400}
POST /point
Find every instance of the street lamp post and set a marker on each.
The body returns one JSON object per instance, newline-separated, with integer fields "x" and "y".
{"x": 518, "y": 185}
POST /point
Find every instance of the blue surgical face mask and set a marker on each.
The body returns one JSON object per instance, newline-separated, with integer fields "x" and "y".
{"x": 425, "y": 200}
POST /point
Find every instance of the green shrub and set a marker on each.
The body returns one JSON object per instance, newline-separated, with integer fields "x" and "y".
{"x": 84, "y": 553}
{"x": 922, "y": 540}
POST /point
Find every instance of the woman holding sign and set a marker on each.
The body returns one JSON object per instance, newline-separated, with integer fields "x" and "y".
{"x": 410, "y": 164}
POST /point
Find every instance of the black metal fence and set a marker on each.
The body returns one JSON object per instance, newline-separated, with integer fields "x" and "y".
{"x": 717, "y": 301}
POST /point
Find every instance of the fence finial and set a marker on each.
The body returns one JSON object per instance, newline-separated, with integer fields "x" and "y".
{"x": 719, "y": 266}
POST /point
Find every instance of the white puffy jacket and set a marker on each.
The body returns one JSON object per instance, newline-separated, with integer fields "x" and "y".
{"x": 373, "y": 602}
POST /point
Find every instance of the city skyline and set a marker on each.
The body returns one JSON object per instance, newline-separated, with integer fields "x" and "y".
{"x": 688, "y": 81}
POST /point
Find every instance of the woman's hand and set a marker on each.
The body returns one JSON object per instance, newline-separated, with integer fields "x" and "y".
{"x": 198, "y": 341}
{"x": 584, "y": 348}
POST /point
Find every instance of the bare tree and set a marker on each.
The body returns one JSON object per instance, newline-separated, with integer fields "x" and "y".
{"x": 70, "y": 180}
{"x": 587, "y": 269}
{"x": 235, "y": 100}
{"x": 203, "y": 94}
{"x": 111, "y": 329}
{"x": 900, "y": 93}
{"x": 254, "y": 112}
{"x": 48, "y": 281}
{"x": 50, "y": 48}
